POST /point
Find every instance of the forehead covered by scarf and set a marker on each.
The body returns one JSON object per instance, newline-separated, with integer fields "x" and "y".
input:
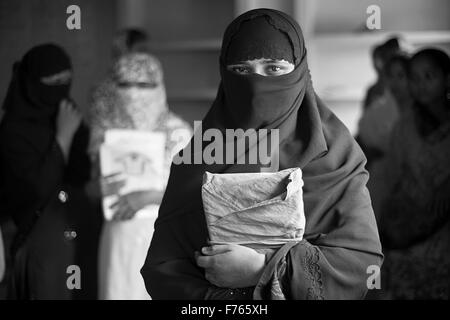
{"x": 138, "y": 68}
{"x": 262, "y": 33}
{"x": 44, "y": 61}
{"x": 45, "y": 76}
{"x": 258, "y": 38}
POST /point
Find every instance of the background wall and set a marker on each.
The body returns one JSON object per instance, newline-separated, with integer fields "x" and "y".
{"x": 25, "y": 23}
{"x": 186, "y": 36}
{"x": 398, "y": 15}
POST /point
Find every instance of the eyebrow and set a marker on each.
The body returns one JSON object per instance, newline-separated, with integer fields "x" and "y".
{"x": 265, "y": 61}
{"x": 268, "y": 61}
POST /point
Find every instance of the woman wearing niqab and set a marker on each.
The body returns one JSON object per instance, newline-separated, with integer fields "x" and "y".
{"x": 132, "y": 98}
{"x": 341, "y": 241}
{"x": 43, "y": 182}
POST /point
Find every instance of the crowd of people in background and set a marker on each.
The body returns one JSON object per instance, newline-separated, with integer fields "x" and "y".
{"x": 50, "y": 196}
{"x": 405, "y": 131}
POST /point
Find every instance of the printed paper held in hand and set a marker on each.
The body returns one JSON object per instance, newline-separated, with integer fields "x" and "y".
{"x": 138, "y": 158}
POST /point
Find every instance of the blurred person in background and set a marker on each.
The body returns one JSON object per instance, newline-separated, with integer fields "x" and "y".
{"x": 381, "y": 54}
{"x": 44, "y": 166}
{"x": 414, "y": 216}
{"x": 125, "y": 41}
{"x": 133, "y": 98}
{"x": 129, "y": 40}
{"x": 376, "y": 95}
{"x": 376, "y": 124}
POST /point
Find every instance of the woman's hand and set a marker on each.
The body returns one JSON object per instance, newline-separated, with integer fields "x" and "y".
{"x": 231, "y": 266}
{"x": 111, "y": 184}
{"x": 127, "y": 205}
{"x": 67, "y": 123}
{"x": 68, "y": 119}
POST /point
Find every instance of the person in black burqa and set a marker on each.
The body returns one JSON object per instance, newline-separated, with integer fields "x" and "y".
{"x": 44, "y": 167}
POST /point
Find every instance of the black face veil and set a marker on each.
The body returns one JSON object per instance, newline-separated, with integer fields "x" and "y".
{"x": 29, "y": 95}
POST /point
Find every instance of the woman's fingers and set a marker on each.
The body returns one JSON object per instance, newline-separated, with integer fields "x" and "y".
{"x": 115, "y": 205}
{"x": 63, "y": 104}
{"x": 120, "y": 209}
{"x": 204, "y": 261}
{"x": 111, "y": 175}
{"x": 129, "y": 213}
{"x": 118, "y": 212}
{"x": 123, "y": 209}
{"x": 112, "y": 187}
{"x": 216, "y": 249}
{"x": 68, "y": 106}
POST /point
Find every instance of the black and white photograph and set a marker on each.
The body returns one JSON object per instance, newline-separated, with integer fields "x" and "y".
{"x": 251, "y": 150}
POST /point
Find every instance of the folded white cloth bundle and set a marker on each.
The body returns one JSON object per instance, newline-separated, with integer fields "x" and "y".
{"x": 260, "y": 210}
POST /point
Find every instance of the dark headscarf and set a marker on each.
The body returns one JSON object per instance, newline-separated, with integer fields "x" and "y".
{"x": 28, "y": 95}
{"x": 258, "y": 38}
{"x": 426, "y": 121}
{"x": 339, "y": 217}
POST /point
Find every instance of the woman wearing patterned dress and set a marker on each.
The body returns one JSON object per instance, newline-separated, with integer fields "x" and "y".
{"x": 132, "y": 98}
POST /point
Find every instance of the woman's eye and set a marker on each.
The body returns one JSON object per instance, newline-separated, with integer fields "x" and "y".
{"x": 274, "y": 69}
{"x": 240, "y": 69}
